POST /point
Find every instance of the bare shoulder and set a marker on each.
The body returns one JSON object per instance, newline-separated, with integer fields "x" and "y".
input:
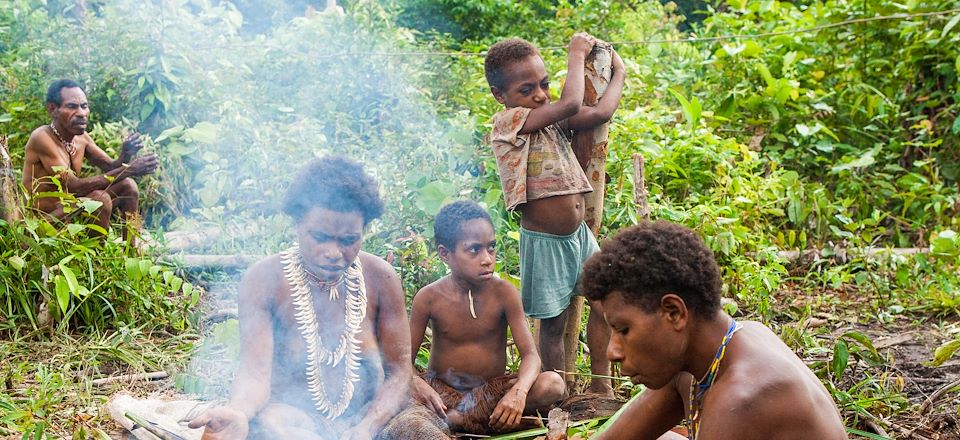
{"x": 766, "y": 389}
{"x": 505, "y": 291}
{"x": 40, "y": 138}
{"x": 376, "y": 268}
{"x": 265, "y": 273}
{"x": 428, "y": 293}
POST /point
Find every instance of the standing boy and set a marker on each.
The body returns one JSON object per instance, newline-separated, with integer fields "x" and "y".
{"x": 541, "y": 177}
{"x": 469, "y": 311}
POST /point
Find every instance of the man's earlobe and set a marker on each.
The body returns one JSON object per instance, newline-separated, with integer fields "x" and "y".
{"x": 51, "y": 107}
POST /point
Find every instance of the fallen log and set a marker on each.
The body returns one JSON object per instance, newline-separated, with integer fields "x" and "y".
{"x": 129, "y": 378}
{"x": 220, "y": 261}
{"x": 839, "y": 255}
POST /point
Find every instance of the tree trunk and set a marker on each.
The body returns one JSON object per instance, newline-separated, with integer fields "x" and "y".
{"x": 9, "y": 201}
{"x": 590, "y": 147}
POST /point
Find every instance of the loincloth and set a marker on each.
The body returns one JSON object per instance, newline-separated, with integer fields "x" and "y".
{"x": 472, "y": 396}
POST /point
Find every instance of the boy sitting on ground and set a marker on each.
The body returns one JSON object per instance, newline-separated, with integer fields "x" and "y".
{"x": 541, "y": 177}
{"x": 469, "y": 311}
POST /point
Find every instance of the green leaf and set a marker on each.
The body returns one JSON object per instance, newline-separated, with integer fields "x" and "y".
{"x": 841, "y": 355}
{"x": 861, "y": 338}
{"x": 434, "y": 195}
{"x": 62, "y": 291}
{"x": 950, "y": 24}
{"x": 90, "y": 205}
{"x": 203, "y": 132}
{"x": 172, "y": 132}
{"x": 16, "y": 262}
{"x": 6, "y": 117}
{"x": 74, "y": 229}
{"x": 945, "y": 352}
{"x": 945, "y": 243}
{"x": 955, "y": 128}
{"x": 71, "y": 278}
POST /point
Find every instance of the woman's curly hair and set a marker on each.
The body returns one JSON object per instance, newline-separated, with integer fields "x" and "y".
{"x": 644, "y": 262}
{"x": 335, "y": 183}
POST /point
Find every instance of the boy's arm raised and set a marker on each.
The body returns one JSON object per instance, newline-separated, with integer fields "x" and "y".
{"x": 510, "y": 408}
{"x": 592, "y": 116}
{"x": 571, "y": 97}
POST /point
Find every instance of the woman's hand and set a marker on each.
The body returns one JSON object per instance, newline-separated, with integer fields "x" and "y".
{"x": 423, "y": 392}
{"x": 221, "y": 423}
{"x": 509, "y": 410}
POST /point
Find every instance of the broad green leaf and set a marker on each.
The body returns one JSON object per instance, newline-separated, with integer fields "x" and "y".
{"x": 62, "y": 291}
{"x": 950, "y": 24}
{"x": 434, "y": 195}
{"x": 91, "y": 205}
{"x": 203, "y": 132}
{"x": 841, "y": 355}
{"x": 74, "y": 229}
{"x": 172, "y": 132}
{"x": 955, "y": 128}
{"x": 945, "y": 352}
{"x": 6, "y": 117}
{"x": 16, "y": 262}
{"x": 71, "y": 278}
{"x": 861, "y": 338}
{"x": 944, "y": 243}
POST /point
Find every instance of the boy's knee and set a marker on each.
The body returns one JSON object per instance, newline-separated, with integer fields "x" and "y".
{"x": 551, "y": 386}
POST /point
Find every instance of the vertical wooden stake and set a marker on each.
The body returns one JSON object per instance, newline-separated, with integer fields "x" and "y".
{"x": 9, "y": 202}
{"x": 590, "y": 147}
{"x": 640, "y": 188}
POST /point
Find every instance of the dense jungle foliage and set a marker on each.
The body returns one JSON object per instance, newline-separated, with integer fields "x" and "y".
{"x": 830, "y": 125}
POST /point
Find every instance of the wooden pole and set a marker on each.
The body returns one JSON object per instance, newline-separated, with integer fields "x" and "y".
{"x": 9, "y": 201}
{"x": 640, "y": 188}
{"x": 590, "y": 147}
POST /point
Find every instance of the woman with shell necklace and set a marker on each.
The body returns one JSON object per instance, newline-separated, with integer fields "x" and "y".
{"x": 325, "y": 343}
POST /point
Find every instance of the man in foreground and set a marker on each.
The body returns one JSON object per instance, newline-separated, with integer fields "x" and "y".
{"x": 58, "y": 150}
{"x": 660, "y": 290}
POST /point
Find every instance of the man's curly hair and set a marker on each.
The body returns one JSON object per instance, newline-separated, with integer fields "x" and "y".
{"x": 501, "y": 55}
{"x": 446, "y": 228}
{"x": 335, "y": 183}
{"x": 644, "y": 262}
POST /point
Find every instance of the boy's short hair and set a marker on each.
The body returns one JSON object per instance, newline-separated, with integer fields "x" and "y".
{"x": 644, "y": 262}
{"x": 446, "y": 228}
{"x": 501, "y": 55}
{"x": 335, "y": 183}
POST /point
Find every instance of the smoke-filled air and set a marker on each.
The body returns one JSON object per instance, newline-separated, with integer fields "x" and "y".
{"x": 505, "y": 219}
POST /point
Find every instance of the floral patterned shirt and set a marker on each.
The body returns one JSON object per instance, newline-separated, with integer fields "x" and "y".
{"x": 535, "y": 165}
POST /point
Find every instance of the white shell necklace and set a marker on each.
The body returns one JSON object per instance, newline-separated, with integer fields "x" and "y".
{"x": 348, "y": 346}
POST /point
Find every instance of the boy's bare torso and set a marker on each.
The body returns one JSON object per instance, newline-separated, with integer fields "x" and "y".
{"x": 462, "y": 344}
{"x": 557, "y": 215}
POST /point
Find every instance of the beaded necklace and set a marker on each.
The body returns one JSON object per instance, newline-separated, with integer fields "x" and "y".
{"x": 68, "y": 146}
{"x": 348, "y": 346}
{"x": 699, "y": 388}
